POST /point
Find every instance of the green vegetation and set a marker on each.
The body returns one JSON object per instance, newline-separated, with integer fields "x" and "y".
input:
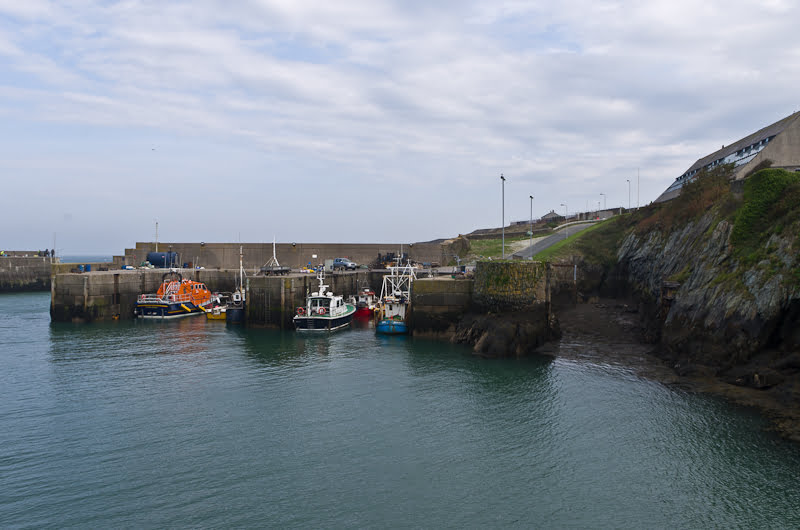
{"x": 597, "y": 244}
{"x": 710, "y": 189}
{"x": 769, "y": 204}
{"x": 770, "y": 200}
{"x": 683, "y": 275}
{"x": 493, "y": 248}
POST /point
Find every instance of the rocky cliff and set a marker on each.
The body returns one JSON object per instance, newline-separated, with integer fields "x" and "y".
{"x": 720, "y": 284}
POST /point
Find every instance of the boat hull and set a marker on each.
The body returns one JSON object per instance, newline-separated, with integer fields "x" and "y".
{"x": 235, "y": 314}
{"x": 363, "y": 312}
{"x": 216, "y": 314}
{"x": 391, "y": 327}
{"x": 167, "y": 310}
{"x": 322, "y": 323}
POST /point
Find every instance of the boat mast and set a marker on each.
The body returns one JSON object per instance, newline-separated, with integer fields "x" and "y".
{"x": 241, "y": 270}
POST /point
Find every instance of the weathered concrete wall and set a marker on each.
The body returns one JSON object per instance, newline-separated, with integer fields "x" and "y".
{"x": 108, "y": 295}
{"x": 60, "y": 268}
{"x": 272, "y": 300}
{"x": 24, "y": 274}
{"x": 510, "y": 285}
{"x": 437, "y": 304}
{"x": 226, "y": 255}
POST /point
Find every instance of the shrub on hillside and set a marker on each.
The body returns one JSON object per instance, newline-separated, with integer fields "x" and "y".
{"x": 696, "y": 197}
{"x": 768, "y": 196}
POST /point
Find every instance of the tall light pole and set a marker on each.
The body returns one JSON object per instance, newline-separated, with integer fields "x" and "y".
{"x": 629, "y": 193}
{"x": 503, "y": 225}
{"x": 604, "y": 200}
{"x": 566, "y": 234}
{"x": 531, "y": 243}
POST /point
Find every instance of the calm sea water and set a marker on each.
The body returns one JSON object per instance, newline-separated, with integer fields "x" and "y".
{"x": 195, "y": 424}
{"x": 86, "y": 258}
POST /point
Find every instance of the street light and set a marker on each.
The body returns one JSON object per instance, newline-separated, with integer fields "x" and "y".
{"x": 503, "y": 224}
{"x": 566, "y": 234}
{"x": 531, "y": 243}
{"x": 604, "y": 200}
{"x": 629, "y": 193}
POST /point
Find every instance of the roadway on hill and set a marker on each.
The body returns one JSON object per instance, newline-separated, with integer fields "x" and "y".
{"x": 542, "y": 244}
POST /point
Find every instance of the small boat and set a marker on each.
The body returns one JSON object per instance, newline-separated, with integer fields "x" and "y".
{"x": 395, "y": 300}
{"x": 175, "y": 298}
{"x": 366, "y": 303}
{"x": 323, "y": 311}
{"x": 235, "y": 306}
{"x": 217, "y": 310}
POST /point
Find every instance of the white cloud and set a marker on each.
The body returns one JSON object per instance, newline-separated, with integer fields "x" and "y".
{"x": 567, "y": 98}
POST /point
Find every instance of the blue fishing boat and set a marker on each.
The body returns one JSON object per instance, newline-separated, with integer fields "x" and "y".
{"x": 395, "y": 300}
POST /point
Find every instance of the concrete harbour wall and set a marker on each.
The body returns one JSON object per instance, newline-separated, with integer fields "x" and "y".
{"x": 437, "y": 304}
{"x": 295, "y": 255}
{"x": 108, "y": 295}
{"x": 24, "y": 274}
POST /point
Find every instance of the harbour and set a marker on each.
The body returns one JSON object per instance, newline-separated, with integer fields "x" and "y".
{"x": 188, "y": 423}
{"x": 287, "y": 265}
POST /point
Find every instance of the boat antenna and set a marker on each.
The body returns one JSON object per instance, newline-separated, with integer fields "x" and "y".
{"x": 241, "y": 269}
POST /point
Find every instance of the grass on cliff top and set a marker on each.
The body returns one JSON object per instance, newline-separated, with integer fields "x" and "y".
{"x": 771, "y": 199}
{"x": 492, "y": 248}
{"x": 596, "y": 244}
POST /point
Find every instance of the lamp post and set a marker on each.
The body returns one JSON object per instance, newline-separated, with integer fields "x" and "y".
{"x": 629, "y": 193}
{"x": 531, "y": 243}
{"x": 503, "y": 224}
{"x": 604, "y": 200}
{"x": 566, "y": 234}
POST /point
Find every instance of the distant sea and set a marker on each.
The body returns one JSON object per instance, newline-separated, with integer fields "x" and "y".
{"x": 86, "y": 258}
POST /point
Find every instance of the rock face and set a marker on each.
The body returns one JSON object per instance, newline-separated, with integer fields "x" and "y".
{"x": 720, "y": 313}
{"x": 516, "y": 334}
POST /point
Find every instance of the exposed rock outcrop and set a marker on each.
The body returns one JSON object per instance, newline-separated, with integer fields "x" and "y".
{"x": 722, "y": 313}
{"x": 507, "y": 334}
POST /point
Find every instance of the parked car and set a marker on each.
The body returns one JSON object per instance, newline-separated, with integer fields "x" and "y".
{"x": 344, "y": 263}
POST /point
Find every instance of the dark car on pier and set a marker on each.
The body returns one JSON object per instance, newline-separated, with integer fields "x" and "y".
{"x": 344, "y": 264}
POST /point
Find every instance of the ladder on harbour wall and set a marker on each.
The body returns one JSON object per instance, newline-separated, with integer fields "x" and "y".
{"x": 565, "y": 275}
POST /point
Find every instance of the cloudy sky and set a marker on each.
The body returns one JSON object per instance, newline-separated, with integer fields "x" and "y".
{"x": 364, "y": 121}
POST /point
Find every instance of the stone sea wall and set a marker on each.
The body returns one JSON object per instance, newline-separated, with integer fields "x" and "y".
{"x": 24, "y": 274}
{"x": 510, "y": 285}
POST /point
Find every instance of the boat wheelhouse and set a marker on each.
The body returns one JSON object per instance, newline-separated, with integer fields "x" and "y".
{"x": 323, "y": 311}
{"x": 366, "y": 303}
{"x": 175, "y": 298}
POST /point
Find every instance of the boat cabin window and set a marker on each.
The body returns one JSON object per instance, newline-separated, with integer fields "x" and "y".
{"x": 319, "y": 302}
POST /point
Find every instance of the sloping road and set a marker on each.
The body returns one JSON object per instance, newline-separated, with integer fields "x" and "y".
{"x": 549, "y": 241}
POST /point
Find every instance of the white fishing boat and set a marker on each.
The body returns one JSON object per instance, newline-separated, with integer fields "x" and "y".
{"x": 324, "y": 311}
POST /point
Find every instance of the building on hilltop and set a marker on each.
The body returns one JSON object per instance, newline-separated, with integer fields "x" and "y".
{"x": 779, "y": 143}
{"x": 552, "y": 216}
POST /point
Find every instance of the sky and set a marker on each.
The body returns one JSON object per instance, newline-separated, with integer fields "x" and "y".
{"x": 365, "y": 121}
